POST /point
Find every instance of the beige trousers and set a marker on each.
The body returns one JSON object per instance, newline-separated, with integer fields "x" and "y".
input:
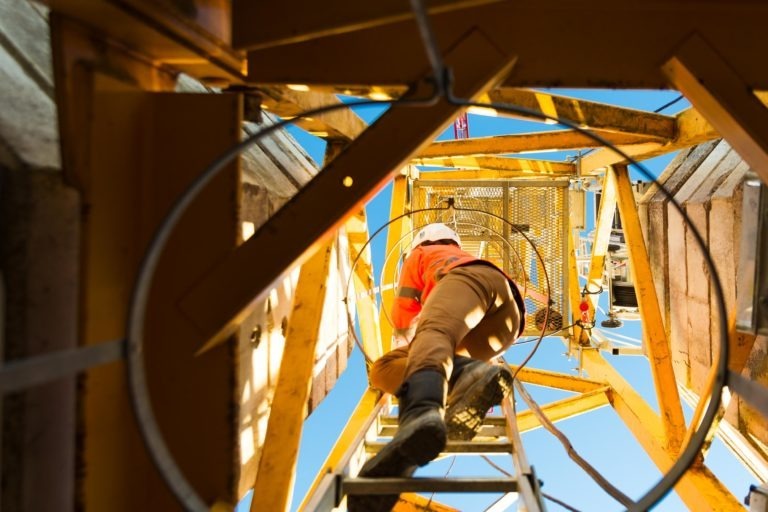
{"x": 470, "y": 312}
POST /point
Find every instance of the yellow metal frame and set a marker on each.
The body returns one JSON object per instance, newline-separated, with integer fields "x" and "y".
{"x": 396, "y": 231}
{"x": 654, "y": 336}
{"x": 723, "y": 99}
{"x": 274, "y": 480}
{"x": 716, "y": 73}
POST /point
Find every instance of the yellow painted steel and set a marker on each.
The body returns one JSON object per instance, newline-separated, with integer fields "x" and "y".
{"x": 411, "y": 502}
{"x": 350, "y": 179}
{"x": 301, "y": 20}
{"x": 654, "y": 336}
{"x": 723, "y": 98}
{"x": 691, "y": 129}
{"x": 557, "y": 380}
{"x": 277, "y": 466}
{"x": 385, "y": 54}
{"x": 286, "y": 103}
{"x": 397, "y": 229}
{"x": 195, "y": 42}
{"x": 352, "y": 432}
{"x": 564, "y": 409}
{"x": 527, "y": 169}
{"x": 587, "y": 114}
{"x": 699, "y": 488}
{"x": 524, "y": 142}
{"x": 579, "y": 334}
{"x": 367, "y": 314}
{"x": 602, "y": 237}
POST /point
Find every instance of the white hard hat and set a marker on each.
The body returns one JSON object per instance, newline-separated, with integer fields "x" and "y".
{"x": 433, "y": 233}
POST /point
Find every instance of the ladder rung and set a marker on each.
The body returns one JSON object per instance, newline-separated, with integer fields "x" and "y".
{"x": 485, "y": 431}
{"x": 420, "y": 484}
{"x": 496, "y": 421}
{"x": 456, "y": 447}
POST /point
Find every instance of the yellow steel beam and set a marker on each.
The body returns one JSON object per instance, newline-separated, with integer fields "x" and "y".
{"x": 287, "y": 103}
{"x": 120, "y": 159}
{"x": 602, "y": 237}
{"x": 691, "y": 129}
{"x": 721, "y": 95}
{"x": 557, "y": 380}
{"x": 367, "y": 314}
{"x": 196, "y": 44}
{"x": 393, "y": 53}
{"x": 524, "y": 142}
{"x": 395, "y": 231}
{"x": 587, "y": 114}
{"x": 352, "y": 434}
{"x": 564, "y": 409}
{"x": 654, "y": 336}
{"x": 698, "y": 488}
{"x": 266, "y": 24}
{"x": 295, "y": 231}
{"x": 486, "y": 175}
{"x": 494, "y": 167}
{"x": 277, "y": 466}
{"x": 580, "y": 335}
{"x": 412, "y": 502}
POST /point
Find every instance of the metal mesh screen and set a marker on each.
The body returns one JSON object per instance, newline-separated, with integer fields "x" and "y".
{"x": 537, "y": 210}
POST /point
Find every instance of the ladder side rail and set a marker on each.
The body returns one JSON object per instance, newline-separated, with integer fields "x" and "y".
{"x": 324, "y": 489}
{"x": 527, "y": 483}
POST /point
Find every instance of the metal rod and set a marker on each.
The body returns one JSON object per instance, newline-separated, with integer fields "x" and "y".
{"x": 754, "y": 393}
{"x": 399, "y": 485}
{"x": 469, "y": 447}
{"x": 25, "y": 373}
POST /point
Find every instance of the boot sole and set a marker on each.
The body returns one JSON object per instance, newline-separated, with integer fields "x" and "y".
{"x": 416, "y": 445}
{"x": 465, "y": 417}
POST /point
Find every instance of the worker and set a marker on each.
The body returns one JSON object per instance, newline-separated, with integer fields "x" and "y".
{"x": 468, "y": 312}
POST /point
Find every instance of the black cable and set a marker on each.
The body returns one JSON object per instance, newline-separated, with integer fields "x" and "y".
{"x": 669, "y": 104}
{"x": 559, "y": 502}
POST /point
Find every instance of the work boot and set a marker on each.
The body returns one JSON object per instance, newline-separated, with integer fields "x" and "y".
{"x": 476, "y": 388}
{"x": 420, "y": 438}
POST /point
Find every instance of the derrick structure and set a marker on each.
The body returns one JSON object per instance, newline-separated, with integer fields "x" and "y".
{"x": 245, "y": 261}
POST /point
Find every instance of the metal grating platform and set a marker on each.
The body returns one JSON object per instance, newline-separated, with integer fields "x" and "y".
{"x": 494, "y": 218}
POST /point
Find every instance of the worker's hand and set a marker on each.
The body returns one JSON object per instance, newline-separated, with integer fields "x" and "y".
{"x": 402, "y": 337}
{"x": 399, "y": 341}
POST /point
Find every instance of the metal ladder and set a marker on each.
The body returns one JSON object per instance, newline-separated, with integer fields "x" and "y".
{"x": 499, "y": 434}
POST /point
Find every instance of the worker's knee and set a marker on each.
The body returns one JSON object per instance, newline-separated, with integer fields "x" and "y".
{"x": 388, "y": 371}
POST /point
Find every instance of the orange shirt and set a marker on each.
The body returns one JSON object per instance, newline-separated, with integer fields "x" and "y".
{"x": 422, "y": 270}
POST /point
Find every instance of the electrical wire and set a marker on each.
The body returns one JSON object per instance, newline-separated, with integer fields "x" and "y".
{"x": 545, "y": 495}
{"x": 447, "y": 472}
{"x": 496, "y": 466}
{"x": 138, "y": 389}
{"x": 669, "y": 104}
{"x": 599, "y": 479}
{"x": 560, "y": 502}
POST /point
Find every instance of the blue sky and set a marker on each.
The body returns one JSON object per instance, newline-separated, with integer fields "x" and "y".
{"x": 600, "y": 436}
